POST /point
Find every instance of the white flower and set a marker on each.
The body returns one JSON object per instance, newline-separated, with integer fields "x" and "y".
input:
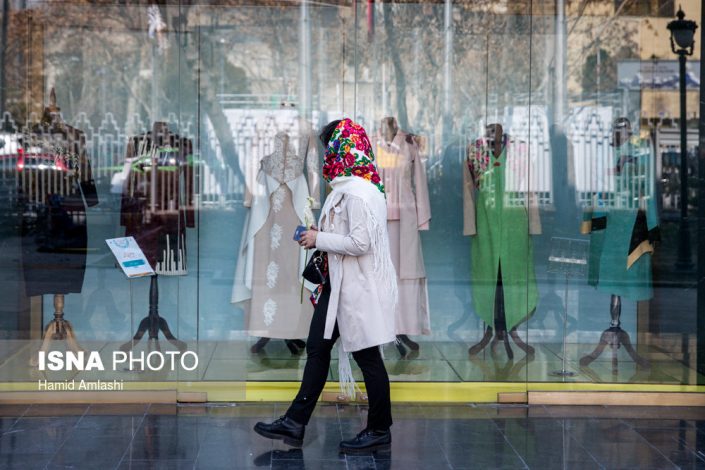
{"x": 308, "y": 213}
{"x": 276, "y": 235}
{"x": 272, "y": 274}
{"x": 270, "y": 310}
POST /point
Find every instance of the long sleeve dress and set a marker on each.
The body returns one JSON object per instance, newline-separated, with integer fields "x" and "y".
{"x": 269, "y": 266}
{"x": 500, "y": 214}
{"x": 623, "y": 224}
{"x": 54, "y": 189}
{"x": 157, "y": 197}
{"x": 403, "y": 174}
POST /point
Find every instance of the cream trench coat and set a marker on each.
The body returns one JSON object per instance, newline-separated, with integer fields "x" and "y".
{"x": 360, "y": 303}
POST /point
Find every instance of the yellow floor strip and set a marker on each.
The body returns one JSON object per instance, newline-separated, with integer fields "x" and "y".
{"x": 410, "y": 392}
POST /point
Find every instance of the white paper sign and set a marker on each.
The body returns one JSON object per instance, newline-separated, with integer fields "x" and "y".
{"x": 130, "y": 257}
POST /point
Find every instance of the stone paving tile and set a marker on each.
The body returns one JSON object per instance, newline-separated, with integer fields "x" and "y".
{"x": 424, "y": 436}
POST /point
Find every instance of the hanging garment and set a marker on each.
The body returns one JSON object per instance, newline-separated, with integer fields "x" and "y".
{"x": 157, "y": 197}
{"x": 500, "y": 214}
{"x": 403, "y": 174}
{"x": 270, "y": 263}
{"x": 623, "y": 225}
{"x": 55, "y": 186}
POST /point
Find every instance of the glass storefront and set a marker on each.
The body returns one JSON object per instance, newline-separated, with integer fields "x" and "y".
{"x": 531, "y": 153}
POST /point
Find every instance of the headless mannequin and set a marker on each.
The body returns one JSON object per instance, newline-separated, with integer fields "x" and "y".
{"x": 495, "y": 136}
{"x": 295, "y": 346}
{"x": 615, "y": 336}
{"x": 153, "y": 323}
{"x": 389, "y": 128}
{"x": 58, "y": 328}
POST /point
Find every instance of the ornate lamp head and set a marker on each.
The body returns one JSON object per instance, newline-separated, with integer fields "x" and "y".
{"x": 682, "y": 34}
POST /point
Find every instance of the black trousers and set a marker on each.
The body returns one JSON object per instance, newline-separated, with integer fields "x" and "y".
{"x": 318, "y": 365}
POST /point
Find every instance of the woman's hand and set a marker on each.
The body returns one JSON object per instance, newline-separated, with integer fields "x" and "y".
{"x": 308, "y": 238}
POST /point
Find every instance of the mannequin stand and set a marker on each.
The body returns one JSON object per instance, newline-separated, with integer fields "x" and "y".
{"x": 296, "y": 346}
{"x": 58, "y": 330}
{"x": 501, "y": 335}
{"x": 500, "y": 327}
{"x": 153, "y": 322}
{"x": 614, "y": 337}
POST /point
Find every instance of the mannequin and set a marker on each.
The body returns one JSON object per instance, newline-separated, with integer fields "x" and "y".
{"x": 628, "y": 220}
{"x": 156, "y": 208}
{"x": 403, "y": 173}
{"x": 389, "y": 128}
{"x": 268, "y": 273}
{"x": 504, "y": 285}
{"x": 307, "y": 145}
{"x": 55, "y": 188}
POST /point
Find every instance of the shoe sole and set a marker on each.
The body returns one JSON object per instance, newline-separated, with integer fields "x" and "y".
{"x": 290, "y": 441}
{"x": 366, "y": 450}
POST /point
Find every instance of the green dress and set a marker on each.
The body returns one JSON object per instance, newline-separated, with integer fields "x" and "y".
{"x": 623, "y": 223}
{"x": 501, "y": 239}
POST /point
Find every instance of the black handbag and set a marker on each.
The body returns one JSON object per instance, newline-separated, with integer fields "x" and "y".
{"x": 316, "y": 270}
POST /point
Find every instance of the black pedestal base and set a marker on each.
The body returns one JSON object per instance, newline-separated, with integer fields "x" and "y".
{"x": 501, "y": 335}
{"x": 614, "y": 337}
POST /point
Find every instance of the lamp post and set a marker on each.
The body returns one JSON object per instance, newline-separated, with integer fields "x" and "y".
{"x": 683, "y": 36}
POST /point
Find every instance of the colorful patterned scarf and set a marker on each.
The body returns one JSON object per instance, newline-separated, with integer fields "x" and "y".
{"x": 349, "y": 153}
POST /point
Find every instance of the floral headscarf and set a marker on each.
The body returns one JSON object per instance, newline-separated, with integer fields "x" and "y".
{"x": 349, "y": 153}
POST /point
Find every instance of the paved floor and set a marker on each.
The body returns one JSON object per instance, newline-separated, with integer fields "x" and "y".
{"x": 424, "y": 437}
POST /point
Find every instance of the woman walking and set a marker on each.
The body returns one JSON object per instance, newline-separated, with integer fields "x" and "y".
{"x": 357, "y": 301}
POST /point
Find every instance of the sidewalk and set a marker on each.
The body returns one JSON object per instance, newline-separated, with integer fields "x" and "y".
{"x": 424, "y": 437}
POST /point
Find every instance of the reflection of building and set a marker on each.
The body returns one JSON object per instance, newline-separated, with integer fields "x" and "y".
{"x": 629, "y": 43}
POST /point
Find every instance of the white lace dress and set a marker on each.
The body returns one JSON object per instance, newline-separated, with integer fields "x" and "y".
{"x": 274, "y": 308}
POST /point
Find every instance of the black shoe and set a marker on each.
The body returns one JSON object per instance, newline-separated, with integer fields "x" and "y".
{"x": 284, "y": 428}
{"x": 366, "y": 441}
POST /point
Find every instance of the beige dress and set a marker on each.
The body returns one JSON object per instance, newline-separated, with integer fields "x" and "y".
{"x": 408, "y": 211}
{"x": 276, "y": 310}
{"x": 269, "y": 281}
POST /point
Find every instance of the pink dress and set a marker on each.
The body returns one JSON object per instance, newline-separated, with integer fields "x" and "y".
{"x": 408, "y": 211}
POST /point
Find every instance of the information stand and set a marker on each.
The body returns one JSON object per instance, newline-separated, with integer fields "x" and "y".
{"x": 568, "y": 257}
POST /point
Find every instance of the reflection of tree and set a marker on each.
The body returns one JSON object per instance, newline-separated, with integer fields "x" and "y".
{"x": 100, "y": 59}
{"x": 609, "y": 34}
{"x": 389, "y": 29}
{"x": 599, "y": 72}
{"x": 491, "y": 56}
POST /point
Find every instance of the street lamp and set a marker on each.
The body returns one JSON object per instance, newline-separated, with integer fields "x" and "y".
{"x": 682, "y": 36}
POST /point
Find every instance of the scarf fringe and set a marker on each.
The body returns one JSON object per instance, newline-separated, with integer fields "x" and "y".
{"x": 381, "y": 251}
{"x": 348, "y": 386}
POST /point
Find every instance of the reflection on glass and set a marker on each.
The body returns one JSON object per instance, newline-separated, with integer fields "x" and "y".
{"x": 499, "y": 221}
{"x": 521, "y": 131}
{"x": 403, "y": 173}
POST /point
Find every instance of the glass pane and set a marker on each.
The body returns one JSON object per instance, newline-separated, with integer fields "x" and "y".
{"x": 272, "y": 76}
{"x": 617, "y": 299}
{"x": 80, "y": 168}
